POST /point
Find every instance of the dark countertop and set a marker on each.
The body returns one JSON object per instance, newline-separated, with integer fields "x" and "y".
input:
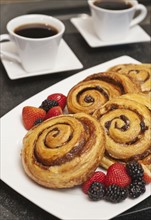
{"x": 12, "y": 205}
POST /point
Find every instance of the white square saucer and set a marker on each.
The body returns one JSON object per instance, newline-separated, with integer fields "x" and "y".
{"x": 66, "y": 60}
{"x": 85, "y": 27}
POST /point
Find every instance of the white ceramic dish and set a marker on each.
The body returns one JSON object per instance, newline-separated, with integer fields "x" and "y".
{"x": 85, "y": 27}
{"x": 66, "y": 60}
{"x": 65, "y": 204}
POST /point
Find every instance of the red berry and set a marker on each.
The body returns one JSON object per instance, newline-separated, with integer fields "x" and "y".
{"x": 117, "y": 174}
{"x": 60, "y": 98}
{"x": 54, "y": 111}
{"x": 98, "y": 176}
{"x": 30, "y": 114}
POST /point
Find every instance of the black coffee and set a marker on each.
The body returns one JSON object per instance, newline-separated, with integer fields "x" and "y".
{"x": 110, "y": 5}
{"x": 36, "y": 30}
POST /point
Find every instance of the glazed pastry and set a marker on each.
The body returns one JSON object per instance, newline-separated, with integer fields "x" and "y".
{"x": 95, "y": 90}
{"x": 141, "y": 98}
{"x": 127, "y": 128}
{"x": 63, "y": 151}
{"x": 138, "y": 73}
{"x": 144, "y": 99}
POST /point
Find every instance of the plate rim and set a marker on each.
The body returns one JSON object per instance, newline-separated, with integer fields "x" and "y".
{"x": 7, "y": 115}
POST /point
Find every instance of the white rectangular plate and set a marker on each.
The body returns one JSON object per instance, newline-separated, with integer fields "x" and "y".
{"x": 85, "y": 27}
{"x": 65, "y": 204}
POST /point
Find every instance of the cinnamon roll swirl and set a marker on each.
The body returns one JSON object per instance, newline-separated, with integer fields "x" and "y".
{"x": 95, "y": 90}
{"x": 127, "y": 126}
{"x": 138, "y": 73}
{"x": 63, "y": 151}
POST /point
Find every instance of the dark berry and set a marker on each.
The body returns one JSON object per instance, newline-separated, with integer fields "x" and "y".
{"x": 38, "y": 121}
{"x": 96, "y": 191}
{"x": 115, "y": 193}
{"x": 136, "y": 188}
{"x": 135, "y": 169}
{"x": 47, "y": 104}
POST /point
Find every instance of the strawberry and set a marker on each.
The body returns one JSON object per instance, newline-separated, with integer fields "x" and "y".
{"x": 117, "y": 174}
{"x": 30, "y": 114}
{"x": 60, "y": 98}
{"x": 147, "y": 174}
{"x": 54, "y": 111}
{"x": 98, "y": 176}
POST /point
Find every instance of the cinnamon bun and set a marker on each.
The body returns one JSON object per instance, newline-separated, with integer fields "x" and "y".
{"x": 63, "y": 151}
{"x": 127, "y": 128}
{"x": 95, "y": 90}
{"x": 138, "y": 73}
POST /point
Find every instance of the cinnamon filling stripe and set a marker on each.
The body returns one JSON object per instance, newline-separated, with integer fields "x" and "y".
{"x": 91, "y": 99}
{"x": 66, "y": 144}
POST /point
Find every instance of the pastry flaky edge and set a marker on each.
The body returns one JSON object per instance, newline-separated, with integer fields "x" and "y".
{"x": 78, "y": 164}
{"x": 140, "y": 74}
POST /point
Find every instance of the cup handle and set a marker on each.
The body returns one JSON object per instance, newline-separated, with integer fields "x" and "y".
{"x": 9, "y": 56}
{"x": 4, "y": 37}
{"x": 6, "y": 54}
{"x": 141, "y": 16}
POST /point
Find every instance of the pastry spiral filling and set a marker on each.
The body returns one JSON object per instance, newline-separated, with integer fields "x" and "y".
{"x": 63, "y": 151}
{"x": 59, "y": 143}
{"x": 95, "y": 90}
{"x": 89, "y": 96}
{"x": 127, "y": 127}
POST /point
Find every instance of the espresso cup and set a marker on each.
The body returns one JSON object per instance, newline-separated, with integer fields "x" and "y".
{"x": 37, "y": 38}
{"x": 113, "y": 24}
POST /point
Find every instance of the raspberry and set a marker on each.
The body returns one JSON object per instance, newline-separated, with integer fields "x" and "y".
{"x": 135, "y": 169}
{"x": 60, "y": 98}
{"x": 47, "y": 104}
{"x": 115, "y": 193}
{"x": 98, "y": 176}
{"x": 96, "y": 191}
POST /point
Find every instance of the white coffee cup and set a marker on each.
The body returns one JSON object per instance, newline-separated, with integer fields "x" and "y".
{"x": 35, "y": 54}
{"x": 114, "y": 25}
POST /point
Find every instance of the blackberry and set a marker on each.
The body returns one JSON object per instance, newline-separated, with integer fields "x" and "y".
{"x": 135, "y": 169}
{"x": 136, "y": 188}
{"x": 96, "y": 191}
{"x": 38, "y": 121}
{"x": 115, "y": 193}
{"x": 47, "y": 104}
